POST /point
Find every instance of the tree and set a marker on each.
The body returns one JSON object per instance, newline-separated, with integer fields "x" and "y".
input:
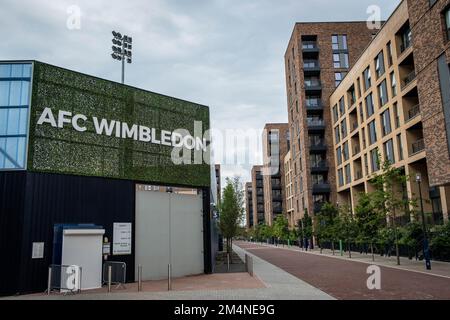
{"x": 281, "y": 228}
{"x": 231, "y": 210}
{"x": 440, "y": 243}
{"x": 306, "y": 229}
{"x": 389, "y": 197}
{"x": 346, "y": 227}
{"x": 326, "y": 225}
{"x": 368, "y": 220}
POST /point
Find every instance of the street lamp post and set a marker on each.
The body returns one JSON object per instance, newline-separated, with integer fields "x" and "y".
{"x": 426, "y": 248}
{"x": 122, "y": 46}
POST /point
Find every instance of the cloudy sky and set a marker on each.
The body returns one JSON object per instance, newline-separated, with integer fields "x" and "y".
{"x": 227, "y": 54}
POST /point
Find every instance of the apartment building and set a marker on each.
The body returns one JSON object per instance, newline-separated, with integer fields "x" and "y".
{"x": 317, "y": 59}
{"x": 249, "y": 205}
{"x": 276, "y": 142}
{"x": 258, "y": 195}
{"x": 394, "y": 104}
{"x": 289, "y": 188}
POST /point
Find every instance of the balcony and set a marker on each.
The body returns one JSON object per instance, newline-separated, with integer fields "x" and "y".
{"x": 321, "y": 188}
{"x": 314, "y": 105}
{"x": 318, "y": 147}
{"x": 358, "y": 175}
{"x": 319, "y": 167}
{"x": 408, "y": 79}
{"x": 311, "y": 67}
{"x": 412, "y": 113}
{"x": 356, "y": 150}
{"x": 417, "y": 147}
{"x": 316, "y": 124}
{"x": 310, "y": 46}
{"x": 313, "y": 86}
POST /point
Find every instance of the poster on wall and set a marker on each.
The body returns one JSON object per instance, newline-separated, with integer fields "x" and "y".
{"x": 121, "y": 238}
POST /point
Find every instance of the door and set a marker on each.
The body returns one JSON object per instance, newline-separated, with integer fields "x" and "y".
{"x": 83, "y": 248}
{"x": 169, "y": 229}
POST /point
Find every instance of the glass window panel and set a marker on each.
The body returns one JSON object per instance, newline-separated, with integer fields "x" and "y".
{"x": 27, "y": 70}
{"x": 13, "y": 122}
{"x": 14, "y": 93}
{"x": 5, "y": 70}
{"x": 25, "y": 93}
{"x": 21, "y": 150}
{"x": 3, "y": 121}
{"x": 2, "y": 151}
{"x": 11, "y": 151}
{"x": 4, "y": 93}
{"x": 23, "y": 123}
{"x": 16, "y": 70}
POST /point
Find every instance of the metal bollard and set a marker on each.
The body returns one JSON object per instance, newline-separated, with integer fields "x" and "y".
{"x": 169, "y": 278}
{"x": 49, "y": 282}
{"x": 139, "y": 278}
{"x": 109, "y": 278}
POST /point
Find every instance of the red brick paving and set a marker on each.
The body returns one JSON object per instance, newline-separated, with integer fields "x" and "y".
{"x": 346, "y": 280}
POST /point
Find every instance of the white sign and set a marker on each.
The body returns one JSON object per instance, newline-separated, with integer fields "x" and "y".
{"x": 121, "y": 130}
{"x": 121, "y": 238}
{"x": 107, "y": 248}
{"x": 38, "y": 250}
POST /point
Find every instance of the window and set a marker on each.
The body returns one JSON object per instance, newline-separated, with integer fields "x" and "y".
{"x": 361, "y": 113}
{"x": 367, "y": 79}
{"x": 390, "y": 54}
{"x": 348, "y": 174}
{"x": 375, "y": 160}
{"x": 339, "y": 155}
{"x": 393, "y": 85}
{"x": 317, "y": 178}
{"x": 340, "y": 60}
{"x": 369, "y": 105}
{"x": 386, "y": 122}
{"x": 366, "y": 164}
{"x": 339, "y": 42}
{"x": 397, "y": 116}
{"x": 400, "y": 146}
{"x": 382, "y": 93}
{"x": 340, "y": 178}
{"x": 372, "y": 132}
{"x": 15, "y": 82}
{"x": 341, "y": 106}
{"x": 335, "y": 114}
{"x": 345, "y": 152}
{"x": 338, "y": 76}
{"x": 337, "y": 134}
{"x": 447, "y": 22}
{"x": 379, "y": 64}
{"x": 389, "y": 151}
{"x": 358, "y": 87}
{"x": 344, "y": 128}
{"x": 363, "y": 133}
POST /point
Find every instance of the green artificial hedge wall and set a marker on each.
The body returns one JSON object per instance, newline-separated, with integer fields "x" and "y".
{"x": 67, "y": 151}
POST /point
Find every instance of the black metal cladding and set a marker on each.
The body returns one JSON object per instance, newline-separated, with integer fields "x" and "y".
{"x": 12, "y": 198}
{"x": 51, "y": 199}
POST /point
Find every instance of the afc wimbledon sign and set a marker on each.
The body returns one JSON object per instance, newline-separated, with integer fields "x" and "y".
{"x": 179, "y": 138}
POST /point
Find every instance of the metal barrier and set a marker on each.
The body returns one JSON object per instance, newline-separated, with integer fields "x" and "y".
{"x": 63, "y": 278}
{"x": 249, "y": 264}
{"x": 114, "y": 273}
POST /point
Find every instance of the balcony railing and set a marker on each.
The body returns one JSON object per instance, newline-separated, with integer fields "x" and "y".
{"x": 413, "y": 112}
{"x": 311, "y": 64}
{"x": 404, "y": 46}
{"x": 408, "y": 79}
{"x": 319, "y": 165}
{"x": 323, "y": 187}
{"x": 313, "y": 85}
{"x": 309, "y": 45}
{"x": 356, "y": 150}
{"x": 418, "y": 146}
{"x": 315, "y": 123}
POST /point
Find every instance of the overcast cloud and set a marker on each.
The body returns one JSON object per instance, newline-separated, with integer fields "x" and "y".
{"x": 227, "y": 54}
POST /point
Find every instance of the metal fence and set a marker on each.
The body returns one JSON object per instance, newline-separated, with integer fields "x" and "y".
{"x": 114, "y": 273}
{"x": 64, "y": 279}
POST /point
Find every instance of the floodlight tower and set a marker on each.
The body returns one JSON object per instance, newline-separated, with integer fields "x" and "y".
{"x": 122, "y": 46}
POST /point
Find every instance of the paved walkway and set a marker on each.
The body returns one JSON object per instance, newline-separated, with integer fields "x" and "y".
{"x": 269, "y": 283}
{"x": 343, "y": 278}
{"x": 438, "y": 268}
